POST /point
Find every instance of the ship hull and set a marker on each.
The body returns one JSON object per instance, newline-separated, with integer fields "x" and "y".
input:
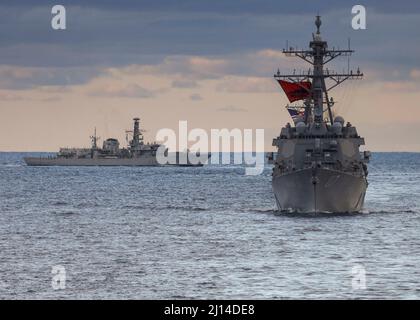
{"x": 139, "y": 161}
{"x": 150, "y": 161}
{"x": 322, "y": 190}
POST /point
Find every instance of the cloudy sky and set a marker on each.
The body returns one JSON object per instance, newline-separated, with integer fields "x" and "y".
{"x": 208, "y": 62}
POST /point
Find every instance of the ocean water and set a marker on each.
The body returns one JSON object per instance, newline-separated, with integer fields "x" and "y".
{"x": 210, "y": 233}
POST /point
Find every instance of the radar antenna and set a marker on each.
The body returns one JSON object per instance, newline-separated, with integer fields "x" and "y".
{"x": 318, "y": 55}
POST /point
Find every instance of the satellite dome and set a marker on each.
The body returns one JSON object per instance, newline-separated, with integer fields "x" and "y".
{"x": 300, "y": 127}
{"x": 339, "y": 119}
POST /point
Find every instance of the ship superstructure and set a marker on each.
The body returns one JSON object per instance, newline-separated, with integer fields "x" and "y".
{"x": 318, "y": 167}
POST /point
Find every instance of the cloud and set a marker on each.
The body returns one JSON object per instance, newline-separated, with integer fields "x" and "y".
{"x": 8, "y": 96}
{"x": 187, "y": 70}
{"x": 131, "y": 90}
{"x": 231, "y": 109}
{"x": 109, "y": 33}
{"x": 184, "y": 83}
{"x": 415, "y": 74}
{"x": 22, "y": 77}
{"x": 237, "y": 84}
{"x": 196, "y": 97}
{"x": 400, "y": 86}
{"x": 201, "y": 39}
{"x": 20, "y": 95}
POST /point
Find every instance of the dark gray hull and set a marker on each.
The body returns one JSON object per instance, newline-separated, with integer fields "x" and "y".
{"x": 323, "y": 191}
{"x": 146, "y": 160}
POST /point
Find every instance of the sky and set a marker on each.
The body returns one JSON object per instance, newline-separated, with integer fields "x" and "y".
{"x": 208, "y": 62}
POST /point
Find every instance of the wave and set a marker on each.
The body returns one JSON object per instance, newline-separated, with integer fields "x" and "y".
{"x": 264, "y": 210}
{"x": 11, "y": 165}
{"x": 65, "y": 213}
{"x": 188, "y": 208}
{"x": 364, "y": 212}
{"x": 60, "y": 203}
{"x": 389, "y": 211}
{"x": 170, "y": 207}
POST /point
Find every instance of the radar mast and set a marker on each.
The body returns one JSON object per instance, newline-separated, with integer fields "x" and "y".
{"x": 317, "y": 93}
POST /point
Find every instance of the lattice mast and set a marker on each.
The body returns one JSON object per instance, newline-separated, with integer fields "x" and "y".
{"x": 318, "y": 55}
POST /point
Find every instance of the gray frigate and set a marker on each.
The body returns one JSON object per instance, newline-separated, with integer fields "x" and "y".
{"x": 137, "y": 153}
{"x": 318, "y": 166}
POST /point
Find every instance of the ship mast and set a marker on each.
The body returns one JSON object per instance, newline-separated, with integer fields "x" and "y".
{"x": 94, "y": 139}
{"x": 136, "y": 132}
{"x": 137, "y": 140}
{"x": 318, "y": 55}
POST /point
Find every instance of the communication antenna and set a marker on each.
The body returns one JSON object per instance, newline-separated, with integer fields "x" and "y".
{"x": 348, "y": 57}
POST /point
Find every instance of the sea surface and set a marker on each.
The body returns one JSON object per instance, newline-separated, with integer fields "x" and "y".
{"x": 208, "y": 233}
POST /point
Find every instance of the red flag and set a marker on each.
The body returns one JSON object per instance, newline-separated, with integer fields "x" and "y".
{"x": 295, "y": 91}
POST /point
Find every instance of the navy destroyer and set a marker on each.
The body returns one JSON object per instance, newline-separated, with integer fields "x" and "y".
{"x": 137, "y": 153}
{"x": 318, "y": 166}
